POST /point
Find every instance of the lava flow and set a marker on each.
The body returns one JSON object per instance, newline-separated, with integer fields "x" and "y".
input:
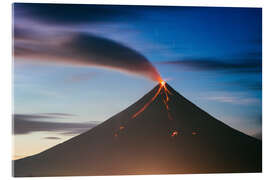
{"x": 166, "y": 91}
{"x": 162, "y": 89}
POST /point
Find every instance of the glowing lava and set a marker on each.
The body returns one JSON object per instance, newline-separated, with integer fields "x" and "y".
{"x": 162, "y": 83}
{"x": 166, "y": 91}
{"x": 165, "y": 99}
{"x": 147, "y": 104}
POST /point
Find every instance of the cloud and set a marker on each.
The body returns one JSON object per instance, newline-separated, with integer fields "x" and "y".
{"x": 28, "y": 123}
{"x": 52, "y": 138}
{"x": 57, "y": 114}
{"x": 43, "y": 116}
{"x": 81, "y": 49}
{"x": 237, "y": 66}
{"x": 33, "y": 116}
{"x": 234, "y": 100}
{"x": 231, "y": 98}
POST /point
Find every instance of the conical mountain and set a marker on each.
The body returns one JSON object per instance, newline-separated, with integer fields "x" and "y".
{"x": 181, "y": 138}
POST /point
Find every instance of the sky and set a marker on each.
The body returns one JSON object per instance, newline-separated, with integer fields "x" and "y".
{"x": 77, "y": 65}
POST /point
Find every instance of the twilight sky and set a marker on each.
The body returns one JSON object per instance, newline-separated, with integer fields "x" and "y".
{"x": 77, "y": 65}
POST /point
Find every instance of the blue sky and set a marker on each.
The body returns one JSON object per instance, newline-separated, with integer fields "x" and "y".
{"x": 212, "y": 56}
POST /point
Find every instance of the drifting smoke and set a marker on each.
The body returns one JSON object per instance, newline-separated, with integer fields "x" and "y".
{"x": 81, "y": 49}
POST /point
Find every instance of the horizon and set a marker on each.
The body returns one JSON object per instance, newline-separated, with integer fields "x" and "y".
{"x": 210, "y": 55}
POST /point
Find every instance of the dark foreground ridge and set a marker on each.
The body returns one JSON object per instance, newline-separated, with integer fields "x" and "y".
{"x": 190, "y": 141}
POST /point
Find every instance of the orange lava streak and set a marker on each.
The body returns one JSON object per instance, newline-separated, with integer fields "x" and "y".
{"x": 165, "y": 101}
{"x": 166, "y": 105}
{"x": 147, "y": 104}
{"x": 167, "y": 91}
{"x": 167, "y": 97}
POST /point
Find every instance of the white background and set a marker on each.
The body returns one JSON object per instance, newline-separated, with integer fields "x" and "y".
{"x": 6, "y": 84}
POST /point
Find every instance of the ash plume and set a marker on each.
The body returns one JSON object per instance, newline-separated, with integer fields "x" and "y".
{"x": 81, "y": 49}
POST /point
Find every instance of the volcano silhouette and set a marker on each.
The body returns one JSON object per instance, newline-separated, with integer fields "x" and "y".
{"x": 191, "y": 141}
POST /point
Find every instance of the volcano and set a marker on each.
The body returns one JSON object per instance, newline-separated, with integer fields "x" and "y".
{"x": 162, "y": 133}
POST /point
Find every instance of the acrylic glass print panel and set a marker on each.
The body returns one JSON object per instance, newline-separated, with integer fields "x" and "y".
{"x": 121, "y": 90}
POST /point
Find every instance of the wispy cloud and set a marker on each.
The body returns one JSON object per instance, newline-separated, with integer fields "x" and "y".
{"x": 232, "y": 98}
{"x": 43, "y": 116}
{"x": 27, "y": 123}
{"x": 52, "y": 138}
{"x": 57, "y": 114}
{"x": 236, "y": 66}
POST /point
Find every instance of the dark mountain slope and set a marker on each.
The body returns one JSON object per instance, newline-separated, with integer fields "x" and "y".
{"x": 187, "y": 140}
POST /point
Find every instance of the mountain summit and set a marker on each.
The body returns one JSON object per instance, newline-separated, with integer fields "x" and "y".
{"x": 162, "y": 133}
